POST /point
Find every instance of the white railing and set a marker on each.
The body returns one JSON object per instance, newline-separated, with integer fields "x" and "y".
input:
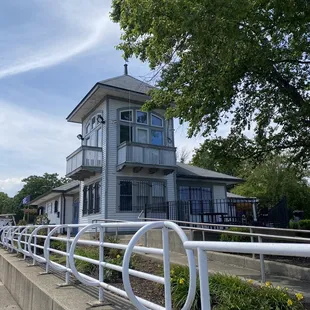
{"x": 222, "y": 228}
{"x": 26, "y": 240}
{"x": 146, "y": 154}
{"x": 286, "y": 249}
{"x": 85, "y": 156}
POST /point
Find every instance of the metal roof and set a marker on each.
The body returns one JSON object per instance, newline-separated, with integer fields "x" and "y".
{"x": 128, "y": 82}
{"x": 232, "y": 195}
{"x": 53, "y": 193}
{"x": 189, "y": 171}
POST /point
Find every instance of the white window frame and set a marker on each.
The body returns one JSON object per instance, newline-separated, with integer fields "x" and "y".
{"x": 147, "y": 118}
{"x": 162, "y": 121}
{"x": 147, "y": 131}
{"x": 163, "y": 136}
{"x": 123, "y": 120}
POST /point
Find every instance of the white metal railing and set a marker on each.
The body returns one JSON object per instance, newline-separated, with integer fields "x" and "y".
{"x": 220, "y": 228}
{"x": 28, "y": 240}
{"x": 286, "y": 249}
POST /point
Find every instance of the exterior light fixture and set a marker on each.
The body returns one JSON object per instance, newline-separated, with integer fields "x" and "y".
{"x": 100, "y": 119}
{"x": 80, "y": 137}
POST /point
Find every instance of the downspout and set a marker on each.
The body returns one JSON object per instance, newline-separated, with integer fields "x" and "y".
{"x": 64, "y": 208}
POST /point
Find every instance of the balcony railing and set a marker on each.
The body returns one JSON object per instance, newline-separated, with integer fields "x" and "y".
{"x": 84, "y": 162}
{"x": 145, "y": 155}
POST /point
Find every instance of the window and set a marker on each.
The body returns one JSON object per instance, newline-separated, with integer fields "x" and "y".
{"x": 87, "y": 142}
{"x": 99, "y": 137}
{"x": 125, "y": 196}
{"x": 85, "y": 200}
{"x": 141, "y": 117}
{"x": 91, "y": 199}
{"x": 56, "y": 206}
{"x": 93, "y": 122}
{"x": 142, "y": 135}
{"x": 135, "y": 194}
{"x": 87, "y": 128}
{"x": 125, "y": 133}
{"x": 157, "y": 121}
{"x": 157, "y": 137}
{"x": 200, "y": 198}
{"x": 97, "y": 197}
{"x": 126, "y": 116}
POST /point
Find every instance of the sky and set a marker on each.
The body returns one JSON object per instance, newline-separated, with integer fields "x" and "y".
{"x": 51, "y": 54}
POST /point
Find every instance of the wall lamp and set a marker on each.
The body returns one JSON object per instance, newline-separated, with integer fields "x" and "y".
{"x": 80, "y": 137}
{"x": 100, "y": 119}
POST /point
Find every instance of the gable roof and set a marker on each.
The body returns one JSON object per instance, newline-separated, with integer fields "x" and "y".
{"x": 189, "y": 171}
{"x": 128, "y": 82}
{"x": 53, "y": 193}
{"x": 118, "y": 87}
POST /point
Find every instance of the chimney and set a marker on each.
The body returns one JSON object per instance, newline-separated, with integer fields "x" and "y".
{"x": 125, "y": 69}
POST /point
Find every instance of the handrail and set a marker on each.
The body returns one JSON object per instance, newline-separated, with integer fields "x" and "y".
{"x": 222, "y": 225}
{"x": 238, "y": 247}
{"x": 26, "y": 240}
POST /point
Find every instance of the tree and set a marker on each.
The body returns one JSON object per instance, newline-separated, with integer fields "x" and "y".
{"x": 276, "y": 178}
{"x": 226, "y": 155}
{"x": 38, "y": 185}
{"x": 183, "y": 155}
{"x": 244, "y": 62}
{"x": 5, "y": 203}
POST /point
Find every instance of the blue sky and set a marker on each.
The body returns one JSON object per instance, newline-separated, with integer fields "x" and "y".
{"x": 51, "y": 53}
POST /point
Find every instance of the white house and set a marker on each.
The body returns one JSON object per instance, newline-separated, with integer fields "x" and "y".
{"x": 61, "y": 204}
{"x": 127, "y": 157}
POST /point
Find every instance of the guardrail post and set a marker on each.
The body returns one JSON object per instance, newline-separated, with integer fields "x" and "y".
{"x": 166, "y": 259}
{"x": 68, "y": 244}
{"x": 101, "y": 260}
{"x": 204, "y": 280}
{"x": 262, "y": 263}
{"x": 34, "y": 248}
{"x": 252, "y": 240}
{"x": 48, "y": 245}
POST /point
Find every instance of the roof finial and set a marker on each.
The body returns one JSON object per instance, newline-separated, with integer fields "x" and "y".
{"x": 126, "y": 69}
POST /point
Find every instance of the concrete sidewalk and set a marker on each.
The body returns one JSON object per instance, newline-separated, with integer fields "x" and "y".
{"x": 213, "y": 266}
{"x": 6, "y": 300}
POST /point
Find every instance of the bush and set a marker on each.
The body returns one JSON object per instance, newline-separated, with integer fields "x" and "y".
{"x": 59, "y": 245}
{"x": 230, "y": 292}
{"x": 236, "y": 238}
{"x": 22, "y": 223}
{"x": 304, "y": 224}
{"x": 294, "y": 225}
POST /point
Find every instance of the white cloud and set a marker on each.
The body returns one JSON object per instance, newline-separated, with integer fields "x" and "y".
{"x": 59, "y": 31}
{"x": 33, "y": 142}
{"x": 11, "y": 186}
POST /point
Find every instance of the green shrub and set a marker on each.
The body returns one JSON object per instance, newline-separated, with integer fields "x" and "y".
{"x": 22, "y": 223}
{"x": 294, "y": 225}
{"x": 304, "y": 224}
{"x": 236, "y": 238}
{"x": 59, "y": 245}
{"x": 230, "y": 292}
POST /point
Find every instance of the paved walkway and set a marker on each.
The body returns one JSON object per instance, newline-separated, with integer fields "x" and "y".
{"x": 292, "y": 284}
{"x": 6, "y": 300}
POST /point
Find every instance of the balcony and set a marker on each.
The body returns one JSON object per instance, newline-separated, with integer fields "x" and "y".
{"x": 84, "y": 163}
{"x": 145, "y": 156}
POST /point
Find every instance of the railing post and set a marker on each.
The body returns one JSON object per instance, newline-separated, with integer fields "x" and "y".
{"x": 262, "y": 263}
{"x": 204, "y": 280}
{"x": 166, "y": 259}
{"x": 68, "y": 245}
{"x": 48, "y": 245}
{"x": 252, "y": 240}
{"x": 101, "y": 260}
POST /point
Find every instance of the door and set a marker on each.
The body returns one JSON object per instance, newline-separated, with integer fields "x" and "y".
{"x": 75, "y": 218}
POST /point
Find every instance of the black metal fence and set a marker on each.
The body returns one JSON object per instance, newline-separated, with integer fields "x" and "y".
{"x": 230, "y": 211}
